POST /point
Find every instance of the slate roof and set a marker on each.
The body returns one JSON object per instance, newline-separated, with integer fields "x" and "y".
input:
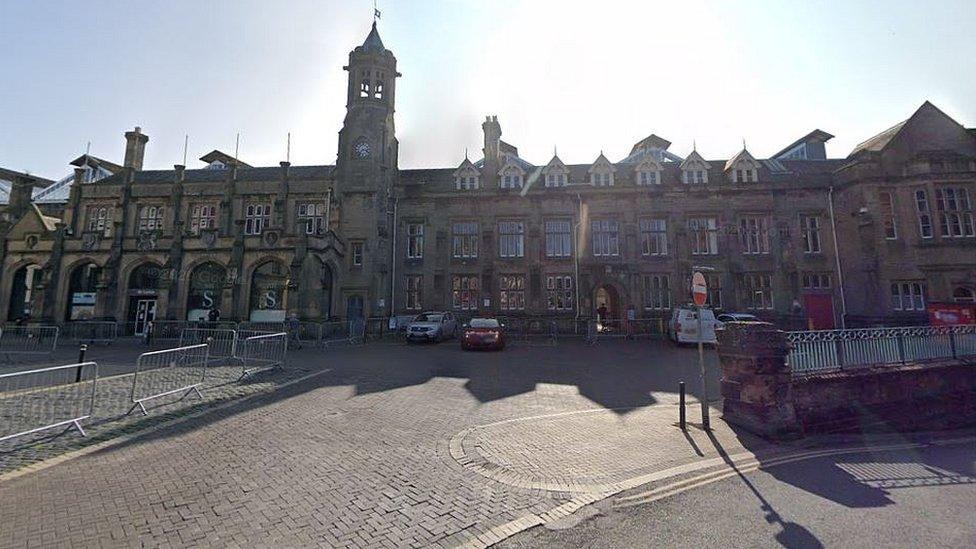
{"x": 373, "y": 41}
{"x": 267, "y": 173}
{"x": 880, "y": 141}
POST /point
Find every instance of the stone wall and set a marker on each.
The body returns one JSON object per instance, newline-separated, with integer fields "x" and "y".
{"x": 761, "y": 396}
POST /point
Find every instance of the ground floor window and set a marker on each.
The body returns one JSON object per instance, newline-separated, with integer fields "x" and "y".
{"x": 963, "y": 294}
{"x": 559, "y": 292}
{"x": 908, "y": 296}
{"x": 269, "y": 285}
{"x": 512, "y": 297}
{"x": 464, "y": 292}
{"x": 205, "y": 292}
{"x": 657, "y": 292}
{"x": 816, "y": 281}
{"x": 757, "y": 290}
{"x": 414, "y": 285}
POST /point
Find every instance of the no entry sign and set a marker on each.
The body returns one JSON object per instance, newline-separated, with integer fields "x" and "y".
{"x": 699, "y": 291}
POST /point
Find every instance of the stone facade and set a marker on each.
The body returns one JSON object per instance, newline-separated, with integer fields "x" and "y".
{"x": 500, "y": 235}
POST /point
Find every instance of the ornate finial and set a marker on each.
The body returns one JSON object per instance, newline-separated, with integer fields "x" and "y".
{"x": 694, "y": 146}
{"x": 465, "y": 153}
{"x": 743, "y": 143}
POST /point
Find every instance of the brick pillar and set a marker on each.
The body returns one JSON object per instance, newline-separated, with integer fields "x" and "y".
{"x": 755, "y": 379}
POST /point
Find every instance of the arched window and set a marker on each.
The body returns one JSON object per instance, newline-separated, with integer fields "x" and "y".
{"x": 205, "y": 291}
{"x": 962, "y": 294}
{"x": 269, "y": 290}
{"x": 82, "y": 290}
{"x": 24, "y": 292}
{"x": 378, "y": 85}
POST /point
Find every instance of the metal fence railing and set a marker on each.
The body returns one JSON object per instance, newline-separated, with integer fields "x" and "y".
{"x": 596, "y": 330}
{"x": 28, "y": 341}
{"x": 90, "y": 331}
{"x": 37, "y": 400}
{"x": 826, "y": 350}
{"x": 263, "y": 352}
{"x": 350, "y": 332}
{"x": 223, "y": 342}
{"x": 167, "y": 372}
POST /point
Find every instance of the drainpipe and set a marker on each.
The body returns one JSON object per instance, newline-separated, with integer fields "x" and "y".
{"x": 393, "y": 260}
{"x": 840, "y": 273}
{"x": 576, "y": 254}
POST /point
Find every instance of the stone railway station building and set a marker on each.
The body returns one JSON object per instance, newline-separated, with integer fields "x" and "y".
{"x": 796, "y": 237}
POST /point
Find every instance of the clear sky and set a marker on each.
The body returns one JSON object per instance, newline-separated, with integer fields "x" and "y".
{"x": 581, "y": 76}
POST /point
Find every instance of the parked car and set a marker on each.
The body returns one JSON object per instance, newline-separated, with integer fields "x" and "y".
{"x": 683, "y": 325}
{"x": 736, "y": 317}
{"x": 432, "y": 326}
{"x": 483, "y": 333}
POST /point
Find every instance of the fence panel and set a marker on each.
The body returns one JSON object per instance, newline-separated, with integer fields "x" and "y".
{"x": 166, "y": 372}
{"x": 36, "y": 400}
{"x": 263, "y": 352}
{"x": 90, "y": 331}
{"x": 223, "y": 343}
{"x": 349, "y": 332}
{"x": 28, "y": 341}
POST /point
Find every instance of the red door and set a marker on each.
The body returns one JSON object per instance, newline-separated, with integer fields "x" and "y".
{"x": 820, "y": 310}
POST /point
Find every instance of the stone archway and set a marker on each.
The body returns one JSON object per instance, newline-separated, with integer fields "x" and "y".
{"x": 25, "y": 292}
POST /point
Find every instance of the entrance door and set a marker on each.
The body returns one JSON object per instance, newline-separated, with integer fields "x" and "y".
{"x": 820, "y": 310}
{"x": 606, "y": 308}
{"x": 354, "y": 307}
{"x": 145, "y": 313}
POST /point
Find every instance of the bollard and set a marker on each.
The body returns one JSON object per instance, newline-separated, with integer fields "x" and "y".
{"x": 81, "y": 360}
{"x": 681, "y": 409}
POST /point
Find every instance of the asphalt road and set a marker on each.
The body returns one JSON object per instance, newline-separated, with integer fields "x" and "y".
{"x": 907, "y": 498}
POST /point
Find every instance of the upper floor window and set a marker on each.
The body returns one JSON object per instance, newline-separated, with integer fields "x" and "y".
{"x": 99, "y": 217}
{"x": 887, "y": 201}
{"x": 653, "y": 236}
{"x": 216, "y": 165}
{"x": 704, "y": 235}
{"x": 694, "y": 176}
{"x": 745, "y": 175}
{"x": 955, "y": 212}
{"x": 559, "y": 292}
{"x": 810, "y": 231}
{"x": 757, "y": 289}
{"x": 467, "y": 182}
{"x": 555, "y": 179}
{"x": 465, "y": 240}
{"x": 908, "y": 296}
{"x": 601, "y": 179}
{"x": 257, "y": 217}
{"x": 511, "y": 178}
{"x": 648, "y": 177}
{"x": 606, "y": 237}
{"x": 923, "y": 211}
{"x": 754, "y": 234}
{"x": 151, "y": 218}
{"x": 415, "y": 240}
{"x": 203, "y": 216}
{"x": 311, "y": 217}
{"x": 511, "y": 239}
{"x": 559, "y": 238}
{"x": 357, "y": 253}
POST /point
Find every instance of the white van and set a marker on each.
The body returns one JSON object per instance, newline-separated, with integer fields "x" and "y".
{"x": 683, "y": 326}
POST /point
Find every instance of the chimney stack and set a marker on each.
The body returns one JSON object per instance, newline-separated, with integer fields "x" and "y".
{"x": 493, "y": 136}
{"x": 135, "y": 148}
{"x": 21, "y": 190}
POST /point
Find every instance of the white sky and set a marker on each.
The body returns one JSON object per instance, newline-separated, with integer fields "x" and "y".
{"x": 581, "y": 76}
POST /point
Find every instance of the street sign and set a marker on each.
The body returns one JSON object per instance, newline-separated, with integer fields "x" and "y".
{"x": 699, "y": 291}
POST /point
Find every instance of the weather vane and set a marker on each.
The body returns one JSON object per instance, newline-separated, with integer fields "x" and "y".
{"x": 376, "y": 12}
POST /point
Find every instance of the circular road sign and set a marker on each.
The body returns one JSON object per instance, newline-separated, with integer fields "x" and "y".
{"x": 699, "y": 291}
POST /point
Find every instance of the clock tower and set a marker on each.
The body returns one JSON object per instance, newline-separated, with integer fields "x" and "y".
{"x": 367, "y": 160}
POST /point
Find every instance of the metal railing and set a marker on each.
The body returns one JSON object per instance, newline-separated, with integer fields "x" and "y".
{"x": 37, "y": 400}
{"x": 28, "y": 341}
{"x": 826, "y": 350}
{"x": 351, "y": 332}
{"x": 223, "y": 342}
{"x": 167, "y": 372}
{"x": 625, "y": 329}
{"x": 263, "y": 352}
{"x": 90, "y": 331}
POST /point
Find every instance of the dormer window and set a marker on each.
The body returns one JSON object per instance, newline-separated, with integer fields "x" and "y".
{"x": 216, "y": 165}
{"x": 692, "y": 177}
{"x": 511, "y": 178}
{"x": 555, "y": 179}
{"x": 649, "y": 173}
{"x": 467, "y": 182}
{"x": 745, "y": 175}
{"x": 601, "y": 179}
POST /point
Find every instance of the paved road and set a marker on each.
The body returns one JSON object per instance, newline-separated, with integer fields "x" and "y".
{"x": 366, "y": 454}
{"x": 921, "y": 497}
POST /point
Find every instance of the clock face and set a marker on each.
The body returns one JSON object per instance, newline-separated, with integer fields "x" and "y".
{"x": 362, "y": 149}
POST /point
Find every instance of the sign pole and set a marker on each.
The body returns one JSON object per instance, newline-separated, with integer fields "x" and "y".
{"x": 699, "y": 291}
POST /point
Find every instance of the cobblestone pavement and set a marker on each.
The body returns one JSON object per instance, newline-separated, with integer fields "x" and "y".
{"x": 392, "y": 446}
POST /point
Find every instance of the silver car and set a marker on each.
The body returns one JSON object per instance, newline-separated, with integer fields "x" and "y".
{"x": 432, "y": 326}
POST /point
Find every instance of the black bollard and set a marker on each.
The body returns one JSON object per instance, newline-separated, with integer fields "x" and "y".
{"x": 81, "y": 360}
{"x": 681, "y": 408}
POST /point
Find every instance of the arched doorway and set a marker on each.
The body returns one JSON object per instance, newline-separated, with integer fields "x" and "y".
{"x": 82, "y": 291}
{"x": 606, "y": 306}
{"x": 144, "y": 284}
{"x": 24, "y": 292}
{"x": 269, "y": 292}
{"x": 205, "y": 292}
{"x": 316, "y": 301}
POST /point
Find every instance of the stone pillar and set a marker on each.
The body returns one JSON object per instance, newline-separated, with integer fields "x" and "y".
{"x": 756, "y": 384}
